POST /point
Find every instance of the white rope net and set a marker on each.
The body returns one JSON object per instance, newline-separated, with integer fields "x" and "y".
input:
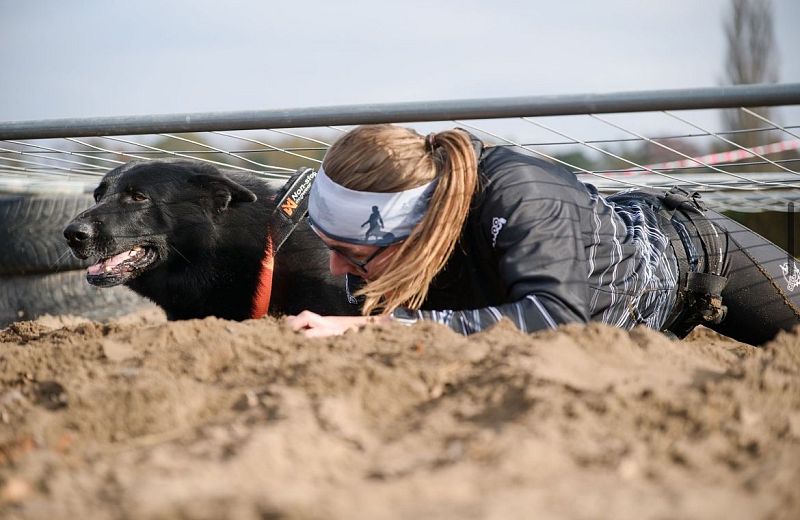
{"x": 748, "y": 170}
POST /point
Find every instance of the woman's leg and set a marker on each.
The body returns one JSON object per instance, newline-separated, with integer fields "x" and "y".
{"x": 763, "y": 290}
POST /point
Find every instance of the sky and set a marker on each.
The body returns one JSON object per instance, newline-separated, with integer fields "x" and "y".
{"x": 110, "y": 58}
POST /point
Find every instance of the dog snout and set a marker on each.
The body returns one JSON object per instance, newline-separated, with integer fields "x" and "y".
{"x": 79, "y": 233}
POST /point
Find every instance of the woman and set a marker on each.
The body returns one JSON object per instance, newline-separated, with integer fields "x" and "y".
{"x": 471, "y": 234}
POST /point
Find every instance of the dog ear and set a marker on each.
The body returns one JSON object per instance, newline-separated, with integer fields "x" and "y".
{"x": 223, "y": 190}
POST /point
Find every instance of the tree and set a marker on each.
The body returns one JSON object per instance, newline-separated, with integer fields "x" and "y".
{"x": 751, "y": 58}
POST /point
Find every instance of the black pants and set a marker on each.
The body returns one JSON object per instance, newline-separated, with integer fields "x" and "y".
{"x": 763, "y": 290}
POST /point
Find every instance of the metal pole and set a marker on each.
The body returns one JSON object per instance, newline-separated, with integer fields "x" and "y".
{"x": 792, "y": 236}
{"x": 643, "y": 101}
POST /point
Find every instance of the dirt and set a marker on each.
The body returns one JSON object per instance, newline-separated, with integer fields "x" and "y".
{"x": 217, "y": 419}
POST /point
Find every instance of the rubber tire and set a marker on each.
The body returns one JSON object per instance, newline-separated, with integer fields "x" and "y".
{"x": 32, "y": 233}
{"x": 26, "y": 297}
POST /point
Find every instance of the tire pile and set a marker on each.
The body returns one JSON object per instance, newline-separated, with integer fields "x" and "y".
{"x": 38, "y": 273}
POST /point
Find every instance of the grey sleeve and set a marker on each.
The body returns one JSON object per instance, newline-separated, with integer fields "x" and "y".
{"x": 528, "y": 314}
{"x": 540, "y": 253}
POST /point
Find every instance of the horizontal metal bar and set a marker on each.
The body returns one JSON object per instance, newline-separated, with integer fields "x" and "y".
{"x": 491, "y": 108}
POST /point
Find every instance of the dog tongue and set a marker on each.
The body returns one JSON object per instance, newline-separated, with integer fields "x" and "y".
{"x": 100, "y": 267}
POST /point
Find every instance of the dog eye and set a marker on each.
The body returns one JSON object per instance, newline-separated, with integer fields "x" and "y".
{"x": 138, "y": 197}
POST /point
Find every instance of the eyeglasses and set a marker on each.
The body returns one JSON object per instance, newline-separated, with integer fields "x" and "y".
{"x": 361, "y": 264}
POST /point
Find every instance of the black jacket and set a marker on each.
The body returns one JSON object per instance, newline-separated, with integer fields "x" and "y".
{"x": 541, "y": 248}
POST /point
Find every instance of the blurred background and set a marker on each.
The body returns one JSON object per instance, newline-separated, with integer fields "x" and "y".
{"x": 97, "y": 58}
{"x": 110, "y": 58}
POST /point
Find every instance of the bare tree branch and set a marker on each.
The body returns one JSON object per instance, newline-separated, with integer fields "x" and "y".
{"x": 751, "y": 58}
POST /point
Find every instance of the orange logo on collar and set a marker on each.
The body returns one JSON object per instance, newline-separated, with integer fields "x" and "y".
{"x": 288, "y": 207}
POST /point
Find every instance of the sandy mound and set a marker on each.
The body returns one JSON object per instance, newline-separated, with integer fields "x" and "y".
{"x": 218, "y": 419}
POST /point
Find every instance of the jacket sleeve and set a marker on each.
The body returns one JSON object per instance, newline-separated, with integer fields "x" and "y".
{"x": 535, "y": 231}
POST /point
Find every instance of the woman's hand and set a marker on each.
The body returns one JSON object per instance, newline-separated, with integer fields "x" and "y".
{"x": 315, "y": 326}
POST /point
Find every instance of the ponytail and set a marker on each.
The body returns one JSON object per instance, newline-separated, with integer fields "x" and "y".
{"x": 408, "y": 274}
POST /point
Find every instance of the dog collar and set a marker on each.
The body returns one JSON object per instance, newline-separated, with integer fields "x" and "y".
{"x": 291, "y": 206}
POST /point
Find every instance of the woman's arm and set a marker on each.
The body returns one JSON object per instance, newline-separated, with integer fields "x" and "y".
{"x": 531, "y": 222}
{"x": 528, "y": 314}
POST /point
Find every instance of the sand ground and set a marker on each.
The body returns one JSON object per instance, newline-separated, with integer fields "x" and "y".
{"x": 216, "y": 419}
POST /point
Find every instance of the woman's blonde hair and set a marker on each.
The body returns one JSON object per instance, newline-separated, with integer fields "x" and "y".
{"x": 388, "y": 158}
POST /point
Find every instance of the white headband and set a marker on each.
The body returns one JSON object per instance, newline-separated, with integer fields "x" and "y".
{"x": 363, "y": 217}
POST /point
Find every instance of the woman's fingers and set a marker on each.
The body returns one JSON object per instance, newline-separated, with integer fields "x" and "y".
{"x": 313, "y": 325}
{"x": 304, "y": 320}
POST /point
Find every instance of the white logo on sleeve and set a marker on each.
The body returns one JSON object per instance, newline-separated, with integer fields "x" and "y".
{"x": 792, "y": 280}
{"x": 497, "y": 225}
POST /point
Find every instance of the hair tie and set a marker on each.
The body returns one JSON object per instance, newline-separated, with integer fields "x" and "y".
{"x": 430, "y": 141}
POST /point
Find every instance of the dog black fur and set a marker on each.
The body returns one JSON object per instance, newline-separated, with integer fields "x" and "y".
{"x": 192, "y": 238}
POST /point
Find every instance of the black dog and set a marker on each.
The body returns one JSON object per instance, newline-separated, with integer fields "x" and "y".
{"x": 192, "y": 239}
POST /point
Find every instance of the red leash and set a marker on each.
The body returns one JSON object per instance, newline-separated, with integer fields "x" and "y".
{"x": 264, "y": 289}
{"x": 291, "y": 207}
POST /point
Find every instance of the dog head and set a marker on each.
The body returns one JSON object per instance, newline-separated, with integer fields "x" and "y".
{"x": 151, "y": 214}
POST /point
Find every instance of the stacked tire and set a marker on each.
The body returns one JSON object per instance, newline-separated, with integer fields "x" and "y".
{"x": 38, "y": 273}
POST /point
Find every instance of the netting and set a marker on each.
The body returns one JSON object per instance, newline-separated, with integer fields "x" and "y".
{"x": 752, "y": 169}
